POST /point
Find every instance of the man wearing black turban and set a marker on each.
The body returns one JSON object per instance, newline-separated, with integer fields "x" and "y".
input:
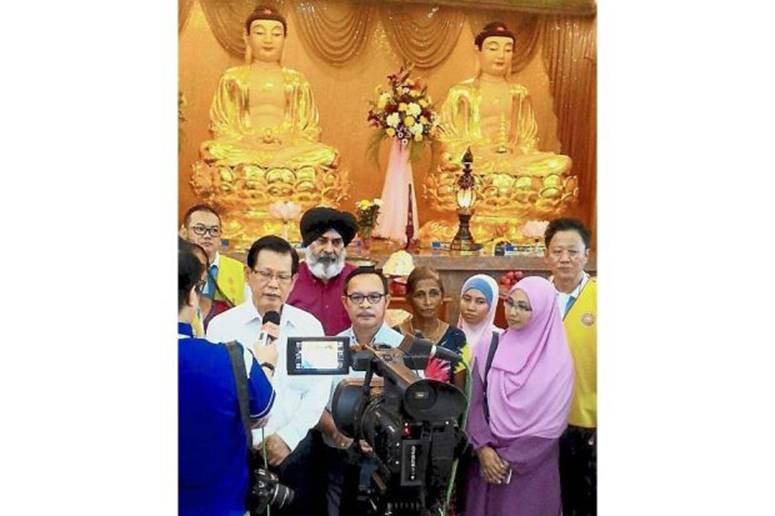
{"x": 325, "y": 233}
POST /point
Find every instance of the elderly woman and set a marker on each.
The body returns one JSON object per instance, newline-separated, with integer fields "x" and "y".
{"x": 425, "y": 291}
{"x": 522, "y": 387}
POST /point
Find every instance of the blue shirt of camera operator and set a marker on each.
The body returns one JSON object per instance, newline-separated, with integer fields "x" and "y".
{"x": 212, "y": 447}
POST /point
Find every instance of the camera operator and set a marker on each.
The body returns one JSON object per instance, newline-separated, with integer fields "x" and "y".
{"x": 366, "y": 299}
{"x": 212, "y": 451}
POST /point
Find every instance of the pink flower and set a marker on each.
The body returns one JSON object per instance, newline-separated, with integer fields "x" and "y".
{"x": 437, "y": 369}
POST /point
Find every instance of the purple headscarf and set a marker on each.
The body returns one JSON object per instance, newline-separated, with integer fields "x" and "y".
{"x": 531, "y": 378}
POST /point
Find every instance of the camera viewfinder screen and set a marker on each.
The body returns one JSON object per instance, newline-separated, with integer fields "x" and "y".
{"x": 318, "y": 355}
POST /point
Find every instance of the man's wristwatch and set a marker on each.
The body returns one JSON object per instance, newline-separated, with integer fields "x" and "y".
{"x": 268, "y": 366}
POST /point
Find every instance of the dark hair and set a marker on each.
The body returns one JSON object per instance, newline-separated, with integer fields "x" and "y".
{"x": 422, "y": 273}
{"x": 365, "y": 270}
{"x": 183, "y": 244}
{"x": 200, "y": 207}
{"x": 567, "y": 224}
{"x": 266, "y": 12}
{"x": 189, "y": 273}
{"x": 275, "y": 244}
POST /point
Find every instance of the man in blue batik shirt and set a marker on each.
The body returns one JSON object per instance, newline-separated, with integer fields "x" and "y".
{"x": 213, "y": 475}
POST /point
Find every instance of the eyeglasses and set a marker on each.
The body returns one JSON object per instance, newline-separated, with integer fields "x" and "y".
{"x": 201, "y": 230}
{"x": 266, "y": 276}
{"x": 200, "y": 286}
{"x": 373, "y": 298}
{"x": 519, "y": 305}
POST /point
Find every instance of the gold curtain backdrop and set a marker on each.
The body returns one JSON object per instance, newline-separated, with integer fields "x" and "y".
{"x": 184, "y": 9}
{"x": 571, "y": 7}
{"x": 335, "y": 31}
{"x": 570, "y": 56}
{"x": 345, "y": 48}
{"x": 423, "y": 34}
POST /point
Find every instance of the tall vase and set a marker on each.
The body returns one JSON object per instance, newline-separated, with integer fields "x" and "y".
{"x": 395, "y": 196}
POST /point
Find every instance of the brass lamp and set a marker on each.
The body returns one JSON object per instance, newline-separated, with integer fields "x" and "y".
{"x": 466, "y": 197}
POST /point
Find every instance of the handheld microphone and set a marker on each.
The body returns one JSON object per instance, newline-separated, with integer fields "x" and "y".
{"x": 269, "y": 317}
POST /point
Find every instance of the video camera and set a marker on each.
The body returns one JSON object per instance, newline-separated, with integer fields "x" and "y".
{"x": 412, "y": 425}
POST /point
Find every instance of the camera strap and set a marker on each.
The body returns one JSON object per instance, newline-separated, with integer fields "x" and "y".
{"x": 241, "y": 381}
{"x": 490, "y": 356}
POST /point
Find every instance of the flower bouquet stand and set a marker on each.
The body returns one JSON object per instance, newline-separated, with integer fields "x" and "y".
{"x": 404, "y": 114}
{"x": 395, "y": 196}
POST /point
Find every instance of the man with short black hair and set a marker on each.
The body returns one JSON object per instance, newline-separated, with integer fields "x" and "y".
{"x": 567, "y": 251}
{"x": 226, "y": 279}
{"x": 272, "y": 266}
{"x": 325, "y": 232}
{"x": 365, "y": 298}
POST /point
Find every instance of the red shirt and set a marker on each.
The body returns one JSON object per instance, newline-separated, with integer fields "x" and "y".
{"x": 323, "y": 300}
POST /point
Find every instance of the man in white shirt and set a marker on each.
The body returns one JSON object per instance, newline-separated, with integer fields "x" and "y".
{"x": 272, "y": 265}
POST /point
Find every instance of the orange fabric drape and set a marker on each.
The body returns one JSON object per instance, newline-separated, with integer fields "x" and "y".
{"x": 335, "y": 37}
{"x": 527, "y": 28}
{"x": 570, "y": 57}
{"x": 184, "y": 9}
{"x": 422, "y": 34}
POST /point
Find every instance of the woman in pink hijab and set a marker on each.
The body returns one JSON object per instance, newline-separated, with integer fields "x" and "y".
{"x": 519, "y": 408}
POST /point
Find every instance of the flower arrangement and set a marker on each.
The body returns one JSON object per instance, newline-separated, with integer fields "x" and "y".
{"x": 367, "y": 216}
{"x": 403, "y": 111}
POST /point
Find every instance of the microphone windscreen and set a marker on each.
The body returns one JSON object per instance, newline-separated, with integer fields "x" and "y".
{"x": 272, "y": 317}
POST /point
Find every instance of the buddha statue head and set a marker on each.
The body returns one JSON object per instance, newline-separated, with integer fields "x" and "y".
{"x": 495, "y": 44}
{"x": 265, "y": 32}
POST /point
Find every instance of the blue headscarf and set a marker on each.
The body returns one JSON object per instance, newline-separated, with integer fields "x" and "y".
{"x": 479, "y": 283}
{"x": 489, "y": 289}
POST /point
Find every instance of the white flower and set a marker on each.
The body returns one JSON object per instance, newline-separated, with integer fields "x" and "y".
{"x": 416, "y": 129}
{"x": 414, "y": 109}
{"x": 393, "y": 119}
{"x": 284, "y": 210}
{"x": 534, "y": 228}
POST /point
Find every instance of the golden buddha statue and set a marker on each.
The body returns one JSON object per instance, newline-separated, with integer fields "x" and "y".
{"x": 495, "y": 119}
{"x": 265, "y": 145}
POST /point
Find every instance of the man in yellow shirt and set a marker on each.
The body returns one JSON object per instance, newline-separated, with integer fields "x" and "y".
{"x": 225, "y": 276}
{"x": 567, "y": 252}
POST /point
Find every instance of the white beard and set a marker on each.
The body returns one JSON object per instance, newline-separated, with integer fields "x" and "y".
{"x": 324, "y": 270}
